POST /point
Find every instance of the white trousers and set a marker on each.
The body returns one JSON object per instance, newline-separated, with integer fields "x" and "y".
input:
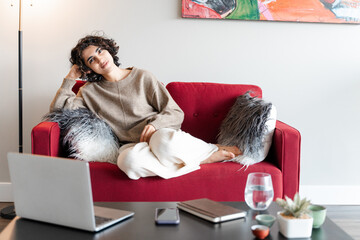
{"x": 170, "y": 153}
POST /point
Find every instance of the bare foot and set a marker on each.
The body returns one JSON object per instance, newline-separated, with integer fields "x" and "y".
{"x": 224, "y": 153}
{"x": 235, "y": 150}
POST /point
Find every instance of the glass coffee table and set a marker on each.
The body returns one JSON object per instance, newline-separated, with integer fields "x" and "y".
{"x": 142, "y": 226}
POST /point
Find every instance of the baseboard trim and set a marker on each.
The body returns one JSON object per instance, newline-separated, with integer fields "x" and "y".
{"x": 331, "y": 195}
{"x": 6, "y": 192}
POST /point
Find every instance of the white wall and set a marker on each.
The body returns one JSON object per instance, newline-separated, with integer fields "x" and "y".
{"x": 309, "y": 71}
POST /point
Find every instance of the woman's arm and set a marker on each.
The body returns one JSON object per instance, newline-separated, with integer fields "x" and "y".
{"x": 170, "y": 114}
{"x": 65, "y": 97}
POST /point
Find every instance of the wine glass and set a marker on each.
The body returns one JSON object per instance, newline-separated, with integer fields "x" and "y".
{"x": 259, "y": 191}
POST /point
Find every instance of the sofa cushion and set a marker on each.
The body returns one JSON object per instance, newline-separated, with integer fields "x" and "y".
{"x": 217, "y": 181}
{"x": 249, "y": 125}
{"x": 84, "y": 135}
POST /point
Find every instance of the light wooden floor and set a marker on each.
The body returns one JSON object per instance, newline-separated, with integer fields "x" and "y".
{"x": 346, "y": 217}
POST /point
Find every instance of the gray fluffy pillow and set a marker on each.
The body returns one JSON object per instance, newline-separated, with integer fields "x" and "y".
{"x": 84, "y": 135}
{"x": 249, "y": 125}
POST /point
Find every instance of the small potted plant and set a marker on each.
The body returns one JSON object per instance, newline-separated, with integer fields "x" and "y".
{"x": 294, "y": 220}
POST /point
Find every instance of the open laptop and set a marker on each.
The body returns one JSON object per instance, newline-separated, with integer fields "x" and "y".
{"x": 58, "y": 191}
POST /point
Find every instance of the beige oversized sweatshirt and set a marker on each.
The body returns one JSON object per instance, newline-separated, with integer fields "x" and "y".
{"x": 127, "y": 105}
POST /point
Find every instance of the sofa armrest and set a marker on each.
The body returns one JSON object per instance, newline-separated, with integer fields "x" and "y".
{"x": 45, "y": 139}
{"x": 285, "y": 153}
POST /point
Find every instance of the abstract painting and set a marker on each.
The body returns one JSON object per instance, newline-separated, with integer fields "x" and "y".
{"x": 327, "y": 11}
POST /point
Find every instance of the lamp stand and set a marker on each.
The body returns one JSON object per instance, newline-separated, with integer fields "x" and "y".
{"x": 20, "y": 84}
{"x": 20, "y": 95}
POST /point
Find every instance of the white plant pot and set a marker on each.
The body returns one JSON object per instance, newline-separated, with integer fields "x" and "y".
{"x": 295, "y": 228}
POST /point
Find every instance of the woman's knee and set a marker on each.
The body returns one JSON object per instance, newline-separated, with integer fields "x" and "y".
{"x": 125, "y": 159}
{"x": 161, "y": 140}
{"x": 137, "y": 161}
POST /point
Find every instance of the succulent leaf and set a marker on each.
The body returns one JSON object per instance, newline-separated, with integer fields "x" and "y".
{"x": 296, "y": 207}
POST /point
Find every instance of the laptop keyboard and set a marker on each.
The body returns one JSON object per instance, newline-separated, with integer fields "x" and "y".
{"x": 101, "y": 220}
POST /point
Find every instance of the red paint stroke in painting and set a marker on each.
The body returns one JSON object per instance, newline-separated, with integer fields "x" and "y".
{"x": 194, "y": 10}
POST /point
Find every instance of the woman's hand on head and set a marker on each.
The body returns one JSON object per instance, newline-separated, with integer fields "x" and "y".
{"x": 147, "y": 133}
{"x": 74, "y": 72}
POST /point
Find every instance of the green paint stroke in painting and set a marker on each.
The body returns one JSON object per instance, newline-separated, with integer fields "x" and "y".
{"x": 245, "y": 9}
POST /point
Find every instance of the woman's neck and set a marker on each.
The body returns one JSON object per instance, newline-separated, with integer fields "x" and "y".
{"x": 117, "y": 74}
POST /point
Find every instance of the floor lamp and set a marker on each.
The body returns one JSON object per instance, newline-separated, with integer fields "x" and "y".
{"x": 9, "y": 212}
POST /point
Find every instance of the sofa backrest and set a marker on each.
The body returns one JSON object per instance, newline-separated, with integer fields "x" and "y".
{"x": 78, "y": 84}
{"x": 206, "y": 104}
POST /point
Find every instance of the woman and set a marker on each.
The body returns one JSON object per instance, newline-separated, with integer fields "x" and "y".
{"x": 139, "y": 110}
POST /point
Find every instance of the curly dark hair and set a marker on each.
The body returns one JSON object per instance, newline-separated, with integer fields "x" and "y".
{"x": 99, "y": 41}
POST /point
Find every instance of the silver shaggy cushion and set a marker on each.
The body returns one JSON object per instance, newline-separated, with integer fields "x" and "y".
{"x": 85, "y": 136}
{"x": 249, "y": 125}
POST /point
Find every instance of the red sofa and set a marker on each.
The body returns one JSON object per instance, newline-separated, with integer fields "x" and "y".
{"x": 205, "y": 105}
